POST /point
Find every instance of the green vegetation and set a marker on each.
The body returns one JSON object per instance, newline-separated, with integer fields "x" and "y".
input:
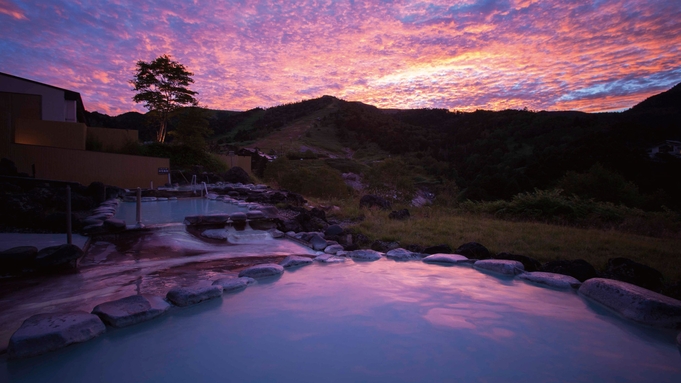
{"x": 182, "y": 157}
{"x": 308, "y": 177}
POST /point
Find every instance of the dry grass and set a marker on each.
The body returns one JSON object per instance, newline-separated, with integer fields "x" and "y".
{"x": 544, "y": 242}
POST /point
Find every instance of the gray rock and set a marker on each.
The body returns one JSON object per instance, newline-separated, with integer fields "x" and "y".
{"x": 333, "y": 249}
{"x": 328, "y": 258}
{"x": 269, "y": 211}
{"x": 317, "y": 242}
{"x": 215, "y": 219}
{"x": 559, "y": 281}
{"x": 57, "y": 256}
{"x": 333, "y": 230}
{"x": 185, "y": 296}
{"x": 262, "y": 271}
{"x": 232, "y": 285}
{"x": 48, "y": 332}
{"x": 295, "y": 260}
{"x": 221, "y": 234}
{"x": 634, "y": 302}
{"x": 276, "y": 233}
{"x": 401, "y": 254}
{"x": 114, "y": 224}
{"x": 238, "y": 217}
{"x": 131, "y": 310}
{"x": 192, "y": 220}
{"x": 445, "y": 258}
{"x": 255, "y": 214}
{"x": 500, "y": 266}
{"x": 364, "y": 255}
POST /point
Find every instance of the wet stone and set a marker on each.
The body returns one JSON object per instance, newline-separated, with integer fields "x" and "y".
{"x": 114, "y": 224}
{"x": 276, "y": 233}
{"x": 634, "y": 302}
{"x": 131, "y": 310}
{"x": 365, "y": 255}
{"x": 221, "y": 234}
{"x": 255, "y": 214}
{"x": 192, "y": 220}
{"x": 400, "y": 254}
{"x": 214, "y": 219}
{"x": 500, "y": 266}
{"x": 317, "y": 242}
{"x": 185, "y": 296}
{"x": 328, "y": 258}
{"x": 48, "y": 332}
{"x": 62, "y": 255}
{"x": 238, "y": 217}
{"x": 295, "y": 261}
{"x": 559, "y": 281}
{"x": 333, "y": 249}
{"x": 232, "y": 285}
{"x": 445, "y": 258}
{"x": 262, "y": 271}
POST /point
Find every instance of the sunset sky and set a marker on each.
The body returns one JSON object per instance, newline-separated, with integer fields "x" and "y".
{"x": 590, "y": 55}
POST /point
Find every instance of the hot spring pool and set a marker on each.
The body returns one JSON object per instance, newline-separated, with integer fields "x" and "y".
{"x": 380, "y": 321}
{"x": 158, "y": 212}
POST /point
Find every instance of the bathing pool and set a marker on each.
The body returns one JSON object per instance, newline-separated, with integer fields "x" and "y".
{"x": 158, "y": 212}
{"x": 380, "y": 321}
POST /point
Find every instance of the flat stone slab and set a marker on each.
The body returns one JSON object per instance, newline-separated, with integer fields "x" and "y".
{"x": 500, "y": 266}
{"x": 401, "y": 254}
{"x": 333, "y": 249}
{"x": 255, "y": 214}
{"x": 232, "y": 285}
{"x": 221, "y": 234}
{"x": 214, "y": 219}
{"x": 48, "y": 332}
{"x": 185, "y": 296}
{"x": 262, "y": 271}
{"x": 445, "y": 258}
{"x": 238, "y": 217}
{"x": 294, "y": 261}
{"x": 131, "y": 310}
{"x": 634, "y": 302}
{"x": 364, "y": 255}
{"x": 558, "y": 281}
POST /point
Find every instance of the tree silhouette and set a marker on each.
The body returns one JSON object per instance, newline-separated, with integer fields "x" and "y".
{"x": 162, "y": 86}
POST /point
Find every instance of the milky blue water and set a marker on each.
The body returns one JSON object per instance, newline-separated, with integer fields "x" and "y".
{"x": 373, "y": 322}
{"x": 158, "y": 212}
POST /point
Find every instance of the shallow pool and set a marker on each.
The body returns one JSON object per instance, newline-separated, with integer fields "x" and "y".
{"x": 373, "y": 322}
{"x": 158, "y": 212}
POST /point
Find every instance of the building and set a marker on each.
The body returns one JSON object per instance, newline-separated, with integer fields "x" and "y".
{"x": 43, "y": 130}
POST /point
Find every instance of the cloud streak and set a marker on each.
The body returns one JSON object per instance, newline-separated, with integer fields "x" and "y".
{"x": 467, "y": 54}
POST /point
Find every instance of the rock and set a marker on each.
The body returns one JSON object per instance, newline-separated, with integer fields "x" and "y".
{"x": 236, "y": 175}
{"x": 530, "y": 264}
{"x": 214, "y": 219}
{"x": 93, "y": 229}
{"x": 445, "y": 258}
{"x": 626, "y": 270}
{"x": 333, "y": 249}
{"x": 634, "y": 302}
{"x": 399, "y": 214}
{"x": 185, "y": 296}
{"x": 500, "y": 266}
{"x": 559, "y": 281}
{"x": 416, "y": 249}
{"x": 114, "y": 224}
{"x": 294, "y": 261}
{"x": 473, "y": 250}
{"x": 220, "y": 234}
{"x": 438, "y": 249}
{"x": 47, "y": 332}
{"x": 17, "y": 258}
{"x": 91, "y": 221}
{"x": 238, "y": 217}
{"x": 290, "y": 225}
{"x": 269, "y": 211}
{"x": 371, "y": 200}
{"x": 578, "y": 268}
{"x": 333, "y": 230}
{"x": 255, "y": 214}
{"x": 317, "y": 242}
{"x": 232, "y": 285}
{"x": 131, "y": 310}
{"x": 365, "y": 255}
{"x": 384, "y": 246}
{"x": 58, "y": 256}
{"x": 262, "y": 271}
{"x": 328, "y": 258}
{"x": 192, "y": 220}
{"x": 276, "y": 233}
{"x": 400, "y": 254}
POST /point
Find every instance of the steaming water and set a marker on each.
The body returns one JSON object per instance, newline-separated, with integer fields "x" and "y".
{"x": 372, "y": 322}
{"x": 158, "y": 212}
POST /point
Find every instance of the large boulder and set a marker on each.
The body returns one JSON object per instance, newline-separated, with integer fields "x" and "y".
{"x": 577, "y": 268}
{"x": 473, "y": 250}
{"x": 131, "y": 310}
{"x": 262, "y": 271}
{"x": 634, "y": 302}
{"x": 558, "y": 281}
{"x": 62, "y": 256}
{"x": 438, "y": 249}
{"x": 626, "y": 270}
{"x": 317, "y": 242}
{"x": 371, "y": 200}
{"x": 530, "y": 264}
{"x": 185, "y": 296}
{"x": 500, "y": 266}
{"x": 237, "y": 175}
{"x": 47, "y": 332}
{"x": 333, "y": 230}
